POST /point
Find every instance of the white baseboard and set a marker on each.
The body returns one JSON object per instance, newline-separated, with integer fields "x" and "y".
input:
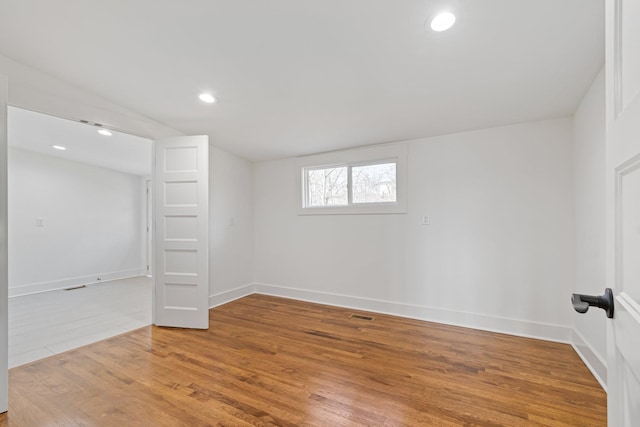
{"x": 596, "y": 364}
{"x": 451, "y": 317}
{"x": 231, "y": 295}
{"x": 34, "y": 288}
{"x": 484, "y": 322}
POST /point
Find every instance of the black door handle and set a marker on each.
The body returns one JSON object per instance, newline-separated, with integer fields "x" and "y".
{"x": 581, "y": 303}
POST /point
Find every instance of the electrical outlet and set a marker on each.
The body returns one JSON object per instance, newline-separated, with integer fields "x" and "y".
{"x": 426, "y": 220}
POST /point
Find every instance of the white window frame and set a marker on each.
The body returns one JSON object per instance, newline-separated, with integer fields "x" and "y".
{"x": 392, "y": 153}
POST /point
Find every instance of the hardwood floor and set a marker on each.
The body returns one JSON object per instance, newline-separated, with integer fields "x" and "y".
{"x": 269, "y": 361}
{"x": 49, "y": 323}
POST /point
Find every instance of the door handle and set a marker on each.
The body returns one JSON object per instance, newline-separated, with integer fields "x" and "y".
{"x": 581, "y": 303}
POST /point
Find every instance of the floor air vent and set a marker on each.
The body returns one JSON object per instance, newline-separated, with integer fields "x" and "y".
{"x": 75, "y": 287}
{"x": 361, "y": 317}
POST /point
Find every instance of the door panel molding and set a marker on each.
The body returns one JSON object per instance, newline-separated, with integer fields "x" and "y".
{"x": 181, "y": 232}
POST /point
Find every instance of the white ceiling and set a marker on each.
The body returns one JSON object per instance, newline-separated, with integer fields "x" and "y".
{"x": 301, "y": 76}
{"x": 38, "y": 132}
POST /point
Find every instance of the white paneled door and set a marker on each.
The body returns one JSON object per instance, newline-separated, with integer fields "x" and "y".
{"x": 623, "y": 210}
{"x": 181, "y": 270}
{"x": 4, "y": 284}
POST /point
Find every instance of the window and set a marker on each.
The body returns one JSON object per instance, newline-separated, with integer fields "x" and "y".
{"x": 375, "y": 183}
{"x": 361, "y": 181}
{"x": 346, "y": 185}
{"x": 326, "y": 186}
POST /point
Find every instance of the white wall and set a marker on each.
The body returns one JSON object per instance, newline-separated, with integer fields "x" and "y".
{"x": 230, "y": 226}
{"x": 36, "y": 91}
{"x": 500, "y": 247}
{"x": 589, "y": 187}
{"x": 498, "y": 254}
{"x": 91, "y": 220}
{"x": 231, "y": 247}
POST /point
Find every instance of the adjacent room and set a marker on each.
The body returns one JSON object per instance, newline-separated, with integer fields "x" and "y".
{"x": 78, "y": 248}
{"x": 354, "y": 213}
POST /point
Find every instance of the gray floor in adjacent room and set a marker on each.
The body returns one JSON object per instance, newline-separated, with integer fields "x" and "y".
{"x": 49, "y": 323}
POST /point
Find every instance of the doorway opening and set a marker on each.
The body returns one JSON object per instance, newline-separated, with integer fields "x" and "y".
{"x": 79, "y": 219}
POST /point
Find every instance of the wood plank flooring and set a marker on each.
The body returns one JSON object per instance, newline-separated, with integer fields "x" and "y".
{"x": 49, "y": 323}
{"x": 269, "y": 361}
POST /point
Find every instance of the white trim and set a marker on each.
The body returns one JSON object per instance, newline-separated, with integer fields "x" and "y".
{"x": 517, "y": 327}
{"x": 4, "y": 321}
{"x": 632, "y": 307}
{"x": 34, "y": 288}
{"x": 617, "y": 59}
{"x": 596, "y": 364}
{"x": 231, "y": 295}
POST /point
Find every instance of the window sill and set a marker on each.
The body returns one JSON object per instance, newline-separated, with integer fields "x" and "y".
{"x": 377, "y": 209}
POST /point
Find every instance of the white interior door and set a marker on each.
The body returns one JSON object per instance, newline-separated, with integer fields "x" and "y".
{"x": 4, "y": 280}
{"x": 181, "y": 267}
{"x": 623, "y": 210}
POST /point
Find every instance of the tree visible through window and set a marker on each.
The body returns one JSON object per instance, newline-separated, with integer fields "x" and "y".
{"x": 347, "y": 185}
{"x": 327, "y": 187}
{"x": 374, "y": 183}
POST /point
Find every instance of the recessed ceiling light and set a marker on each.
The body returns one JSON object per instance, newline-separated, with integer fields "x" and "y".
{"x": 105, "y": 132}
{"x": 443, "y": 21}
{"x": 59, "y": 147}
{"x": 207, "y": 97}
